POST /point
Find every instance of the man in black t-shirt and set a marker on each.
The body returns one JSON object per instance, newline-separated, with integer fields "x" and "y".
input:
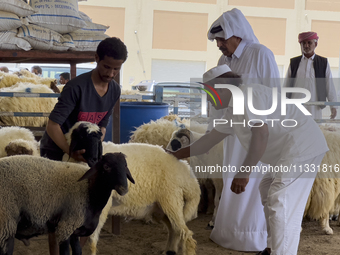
{"x": 88, "y": 97}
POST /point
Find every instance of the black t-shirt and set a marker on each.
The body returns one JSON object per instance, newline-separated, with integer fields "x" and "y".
{"x": 79, "y": 101}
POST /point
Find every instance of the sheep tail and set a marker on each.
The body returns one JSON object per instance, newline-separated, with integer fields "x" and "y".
{"x": 188, "y": 243}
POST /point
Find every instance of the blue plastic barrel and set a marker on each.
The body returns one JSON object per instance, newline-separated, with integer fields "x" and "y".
{"x": 135, "y": 114}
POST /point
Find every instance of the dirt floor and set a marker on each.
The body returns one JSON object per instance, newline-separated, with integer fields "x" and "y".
{"x": 139, "y": 238}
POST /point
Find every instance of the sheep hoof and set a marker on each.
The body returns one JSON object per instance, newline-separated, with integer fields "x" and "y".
{"x": 328, "y": 231}
{"x": 170, "y": 253}
{"x": 210, "y": 226}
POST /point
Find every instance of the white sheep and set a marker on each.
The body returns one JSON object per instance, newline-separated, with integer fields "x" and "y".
{"x": 40, "y": 196}
{"x": 184, "y": 137}
{"x": 8, "y": 80}
{"x": 17, "y": 136}
{"x": 23, "y": 147}
{"x": 165, "y": 190}
{"x": 326, "y": 187}
{"x": 26, "y": 104}
{"x": 159, "y": 132}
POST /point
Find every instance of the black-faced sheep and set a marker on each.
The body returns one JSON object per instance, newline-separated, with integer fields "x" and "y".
{"x": 165, "y": 190}
{"x": 85, "y": 135}
{"x": 40, "y": 196}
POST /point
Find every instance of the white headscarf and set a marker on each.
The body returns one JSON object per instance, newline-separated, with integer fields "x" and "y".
{"x": 233, "y": 23}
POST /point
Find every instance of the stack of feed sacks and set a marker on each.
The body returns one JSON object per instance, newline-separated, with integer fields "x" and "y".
{"x": 11, "y": 16}
{"x": 88, "y": 37}
{"x": 58, "y": 25}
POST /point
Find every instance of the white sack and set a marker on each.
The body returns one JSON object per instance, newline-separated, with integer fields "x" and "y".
{"x": 86, "y": 41}
{"x": 60, "y": 16}
{"x": 9, "y": 21}
{"x": 17, "y": 7}
{"x": 9, "y": 41}
{"x": 45, "y": 39}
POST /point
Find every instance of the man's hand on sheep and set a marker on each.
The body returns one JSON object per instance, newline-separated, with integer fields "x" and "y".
{"x": 239, "y": 183}
{"x": 181, "y": 153}
{"x": 78, "y": 155}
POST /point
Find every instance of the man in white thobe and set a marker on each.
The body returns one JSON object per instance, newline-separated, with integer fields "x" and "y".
{"x": 240, "y": 223}
{"x": 292, "y": 156}
{"x": 312, "y": 72}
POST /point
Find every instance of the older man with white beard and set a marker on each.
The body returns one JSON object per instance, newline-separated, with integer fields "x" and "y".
{"x": 312, "y": 72}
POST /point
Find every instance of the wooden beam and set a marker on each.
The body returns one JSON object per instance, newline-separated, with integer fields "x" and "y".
{"x": 43, "y": 56}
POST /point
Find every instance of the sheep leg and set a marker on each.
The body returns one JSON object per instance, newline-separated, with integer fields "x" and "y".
{"x": 9, "y": 243}
{"x": 75, "y": 245}
{"x": 218, "y": 183}
{"x": 210, "y": 191}
{"x": 173, "y": 209}
{"x": 173, "y": 238}
{"x": 325, "y": 226}
{"x": 53, "y": 244}
{"x": 64, "y": 247}
{"x": 102, "y": 219}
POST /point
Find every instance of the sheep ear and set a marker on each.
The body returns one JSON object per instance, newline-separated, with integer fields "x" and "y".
{"x": 129, "y": 176}
{"x": 89, "y": 173}
{"x": 100, "y": 149}
{"x": 75, "y": 138}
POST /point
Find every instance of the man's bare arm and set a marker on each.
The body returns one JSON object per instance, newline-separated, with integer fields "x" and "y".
{"x": 202, "y": 145}
{"x": 103, "y": 129}
{"x": 53, "y": 129}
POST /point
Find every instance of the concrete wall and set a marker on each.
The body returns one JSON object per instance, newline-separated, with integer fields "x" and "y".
{"x": 176, "y": 30}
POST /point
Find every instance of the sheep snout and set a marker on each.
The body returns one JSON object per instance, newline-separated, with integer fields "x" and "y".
{"x": 175, "y": 145}
{"x": 121, "y": 190}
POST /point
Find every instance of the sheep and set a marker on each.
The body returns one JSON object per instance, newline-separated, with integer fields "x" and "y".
{"x": 84, "y": 135}
{"x": 159, "y": 132}
{"x": 155, "y": 132}
{"x": 8, "y": 80}
{"x": 17, "y": 136}
{"x": 131, "y": 93}
{"x": 42, "y": 196}
{"x": 326, "y": 188}
{"x": 165, "y": 190}
{"x": 26, "y": 104}
{"x": 23, "y": 147}
{"x": 184, "y": 137}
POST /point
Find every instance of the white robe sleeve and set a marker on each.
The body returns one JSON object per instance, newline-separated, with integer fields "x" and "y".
{"x": 331, "y": 92}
